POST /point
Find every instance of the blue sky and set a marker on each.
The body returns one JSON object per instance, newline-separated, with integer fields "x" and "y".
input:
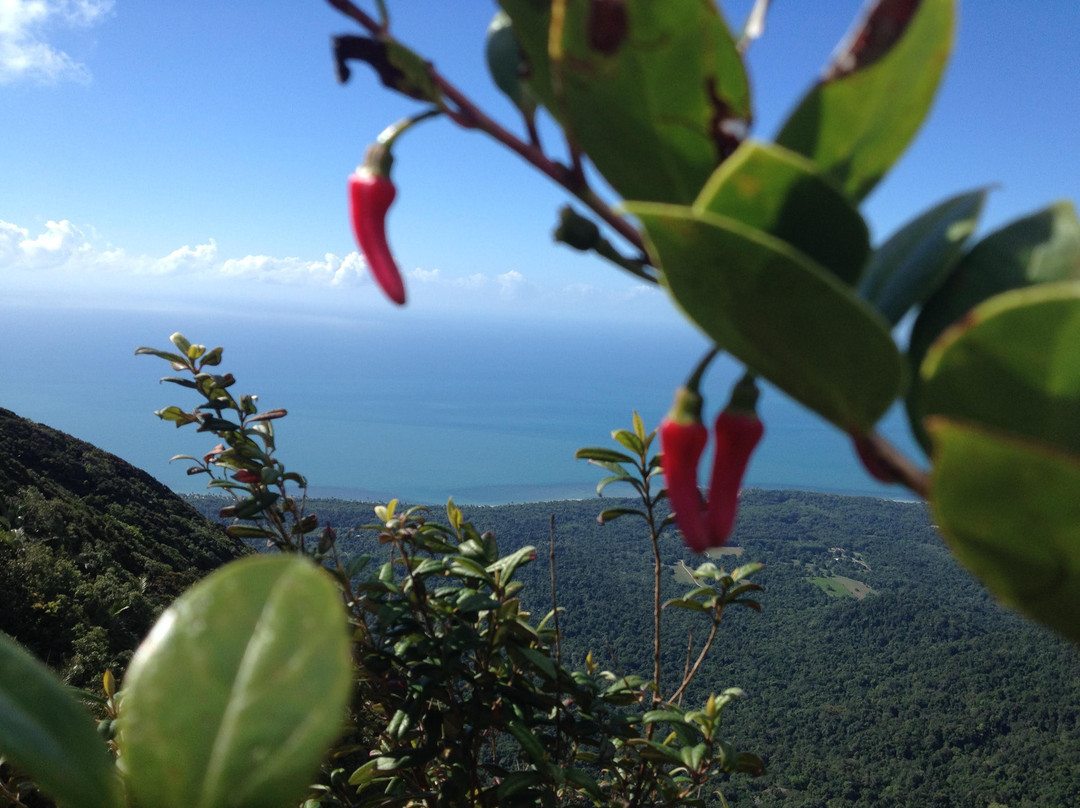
{"x": 153, "y": 147}
{"x": 191, "y": 159}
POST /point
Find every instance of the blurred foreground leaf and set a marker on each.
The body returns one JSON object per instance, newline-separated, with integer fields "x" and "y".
{"x": 50, "y": 736}
{"x": 782, "y": 193}
{"x": 1041, "y": 248}
{"x": 915, "y": 261}
{"x": 770, "y": 306}
{"x": 1009, "y": 511}
{"x": 239, "y": 689}
{"x": 654, "y": 93}
{"x": 861, "y": 116}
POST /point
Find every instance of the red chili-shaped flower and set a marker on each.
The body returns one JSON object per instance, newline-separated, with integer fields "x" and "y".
{"x": 738, "y": 430}
{"x": 370, "y": 194}
{"x": 682, "y": 440}
{"x": 737, "y": 435}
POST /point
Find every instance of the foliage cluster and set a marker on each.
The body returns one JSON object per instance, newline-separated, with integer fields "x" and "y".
{"x": 925, "y": 692}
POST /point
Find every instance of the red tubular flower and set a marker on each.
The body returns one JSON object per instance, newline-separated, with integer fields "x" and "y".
{"x": 682, "y": 440}
{"x": 737, "y": 434}
{"x": 370, "y": 194}
{"x": 683, "y": 437}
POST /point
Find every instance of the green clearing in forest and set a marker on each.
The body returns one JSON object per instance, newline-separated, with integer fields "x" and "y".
{"x": 838, "y": 586}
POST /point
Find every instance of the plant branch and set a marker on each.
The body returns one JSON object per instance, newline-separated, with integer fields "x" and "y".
{"x": 468, "y": 115}
{"x": 890, "y": 462}
{"x": 697, "y": 662}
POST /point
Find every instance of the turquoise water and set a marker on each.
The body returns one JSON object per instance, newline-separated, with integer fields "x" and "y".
{"x": 405, "y": 406}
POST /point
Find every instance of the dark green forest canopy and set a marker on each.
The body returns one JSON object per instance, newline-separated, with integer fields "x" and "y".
{"x": 924, "y": 692}
{"x": 91, "y": 549}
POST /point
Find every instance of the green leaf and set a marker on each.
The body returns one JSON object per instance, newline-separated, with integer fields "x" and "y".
{"x": 861, "y": 116}
{"x": 655, "y": 93}
{"x": 176, "y": 415}
{"x": 175, "y": 359}
{"x": 583, "y": 780}
{"x": 914, "y": 262}
{"x": 746, "y": 570}
{"x": 788, "y": 319}
{"x": 239, "y": 689}
{"x": 616, "y": 478}
{"x": 611, "y": 514}
{"x": 247, "y": 532}
{"x": 1009, "y": 511}
{"x": 685, "y": 603}
{"x": 693, "y": 755}
{"x": 181, "y": 343}
{"x": 601, "y": 454}
{"x": 629, "y": 440}
{"x": 1013, "y": 366}
{"x": 749, "y": 763}
{"x": 529, "y": 742}
{"x": 769, "y": 188}
{"x": 656, "y": 716}
{"x": 49, "y": 735}
{"x": 507, "y": 566}
{"x": 1040, "y": 248}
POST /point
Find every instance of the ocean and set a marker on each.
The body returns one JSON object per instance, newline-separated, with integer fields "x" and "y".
{"x": 487, "y": 410}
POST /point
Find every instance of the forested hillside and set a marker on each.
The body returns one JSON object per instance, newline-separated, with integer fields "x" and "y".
{"x": 91, "y": 549}
{"x": 877, "y": 674}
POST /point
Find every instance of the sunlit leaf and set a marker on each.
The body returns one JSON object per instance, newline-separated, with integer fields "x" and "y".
{"x": 50, "y": 736}
{"x": 1014, "y": 366}
{"x": 656, "y": 100}
{"x": 858, "y": 119}
{"x": 783, "y": 194}
{"x": 785, "y": 317}
{"x": 601, "y": 454}
{"x": 238, "y": 690}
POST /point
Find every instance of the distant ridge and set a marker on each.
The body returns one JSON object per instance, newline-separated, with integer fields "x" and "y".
{"x": 91, "y": 549}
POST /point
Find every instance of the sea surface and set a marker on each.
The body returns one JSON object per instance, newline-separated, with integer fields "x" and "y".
{"x": 488, "y": 411}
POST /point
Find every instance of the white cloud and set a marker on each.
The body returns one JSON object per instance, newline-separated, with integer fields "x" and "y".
{"x": 61, "y": 255}
{"x": 63, "y": 247}
{"x": 25, "y": 53}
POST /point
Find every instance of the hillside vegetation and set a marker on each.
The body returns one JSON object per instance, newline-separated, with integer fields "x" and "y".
{"x": 91, "y": 549}
{"x": 921, "y": 692}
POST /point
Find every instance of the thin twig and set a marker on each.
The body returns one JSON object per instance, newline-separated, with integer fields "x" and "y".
{"x": 468, "y": 115}
{"x": 697, "y": 663}
{"x": 558, "y": 647}
{"x": 902, "y": 468}
{"x": 689, "y": 654}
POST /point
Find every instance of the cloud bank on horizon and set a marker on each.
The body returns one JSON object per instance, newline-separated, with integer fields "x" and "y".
{"x": 64, "y": 255}
{"x": 25, "y": 55}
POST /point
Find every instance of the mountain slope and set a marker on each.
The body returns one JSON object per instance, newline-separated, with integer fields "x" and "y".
{"x": 91, "y": 549}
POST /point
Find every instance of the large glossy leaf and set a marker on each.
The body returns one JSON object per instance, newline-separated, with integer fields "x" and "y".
{"x": 50, "y": 736}
{"x": 1040, "y": 248}
{"x": 655, "y": 93}
{"x": 782, "y": 193}
{"x": 239, "y": 689}
{"x": 1014, "y": 365}
{"x": 916, "y": 259}
{"x": 858, "y": 119}
{"x": 773, "y": 308}
{"x": 1009, "y": 510}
